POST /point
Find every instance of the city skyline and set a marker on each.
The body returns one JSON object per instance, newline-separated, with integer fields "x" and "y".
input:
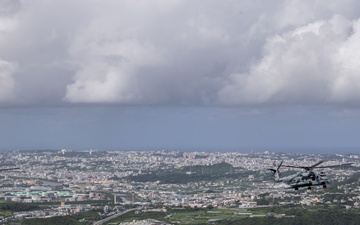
{"x": 180, "y": 75}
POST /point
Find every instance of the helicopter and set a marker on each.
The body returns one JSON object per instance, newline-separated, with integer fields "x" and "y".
{"x": 307, "y": 178}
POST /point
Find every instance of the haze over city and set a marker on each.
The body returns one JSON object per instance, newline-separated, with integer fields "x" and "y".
{"x": 185, "y": 75}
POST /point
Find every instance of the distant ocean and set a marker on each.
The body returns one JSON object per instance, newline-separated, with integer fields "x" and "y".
{"x": 304, "y": 150}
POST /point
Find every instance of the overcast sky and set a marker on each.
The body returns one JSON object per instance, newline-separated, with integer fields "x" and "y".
{"x": 180, "y": 74}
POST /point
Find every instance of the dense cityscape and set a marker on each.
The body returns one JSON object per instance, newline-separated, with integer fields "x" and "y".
{"x": 65, "y": 183}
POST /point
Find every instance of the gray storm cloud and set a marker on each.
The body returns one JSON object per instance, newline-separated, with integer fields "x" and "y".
{"x": 180, "y": 52}
{"x": 6, "y": 81}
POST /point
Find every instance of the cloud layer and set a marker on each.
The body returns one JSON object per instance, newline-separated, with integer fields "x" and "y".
{"x": 179, "y": 52}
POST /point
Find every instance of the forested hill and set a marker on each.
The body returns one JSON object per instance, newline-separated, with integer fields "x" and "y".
{"x": 191, "y": 174}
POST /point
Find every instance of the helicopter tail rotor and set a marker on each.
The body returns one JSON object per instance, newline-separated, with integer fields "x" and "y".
{"x": 276, "y": 171}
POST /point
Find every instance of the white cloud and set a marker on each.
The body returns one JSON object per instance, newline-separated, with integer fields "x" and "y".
{"x": 182, "y": 52}
{"x": 313, "y": 64}
{"x": 109, "y": 71}
{"x": 346, "y": 86}
{"x": 133, "y": 55}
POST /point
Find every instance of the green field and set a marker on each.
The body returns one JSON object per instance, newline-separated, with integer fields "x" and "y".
{"x": 186, "y": 216}
{"x": 269, "y": 215}
{"x": 261, "y": 215}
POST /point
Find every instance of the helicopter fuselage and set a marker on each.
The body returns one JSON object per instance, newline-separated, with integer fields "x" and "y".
{"x": 306, "y": 178}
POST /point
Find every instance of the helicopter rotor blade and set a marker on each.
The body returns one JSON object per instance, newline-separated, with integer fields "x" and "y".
{"x": 280, "y": 165}
{"x": 306, "y": 167}
{"x": 338, "y": 165}
{"x": 316, "y": 166}
{"x": 12, "y": 168}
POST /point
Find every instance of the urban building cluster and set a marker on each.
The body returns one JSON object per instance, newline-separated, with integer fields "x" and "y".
{"x": 78, "y": 180}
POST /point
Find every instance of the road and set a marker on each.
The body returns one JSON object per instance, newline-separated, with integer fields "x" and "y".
{"x": 113, "y": 216}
